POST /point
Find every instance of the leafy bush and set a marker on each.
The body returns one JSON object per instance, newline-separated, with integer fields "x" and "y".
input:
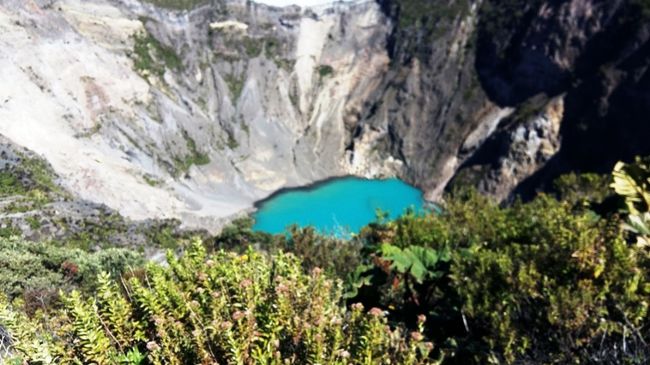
{"x": 150, "y": 57}
{"x": 335, "y": 256}
{"x": 31, "y": 178}
{"x": 632, "y": 182}
{"x": 37, "y": 271}
{"x": 182, "y": 164}
{"x": 178, "y": 4}
{"x": 325, "y": 70}
{"x": 582, "y": 188}
{"x": 534, "y": 282}
{"x": 9, "y": 184}
{"x": 223, "y": 308}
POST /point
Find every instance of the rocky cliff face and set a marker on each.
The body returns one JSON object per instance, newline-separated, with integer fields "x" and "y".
{"x": 547, "y": 87}
{"x": 195, "y": 114}
{"x": 591, "y": 54}
{"x": 189, "y": 114}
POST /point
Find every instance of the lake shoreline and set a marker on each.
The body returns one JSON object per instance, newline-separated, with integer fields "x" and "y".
{"x": 346, "y": 201}
{"x": 312, "y": 186}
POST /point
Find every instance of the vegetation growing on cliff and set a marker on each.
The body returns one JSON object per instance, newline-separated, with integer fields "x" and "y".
{"x": 152, "y": 58}
{"x": 193, "y": 158}
{"x": 29, "y": 176}
{"x": 325, "y": 70}
{"x": 178, "y": 4}
{"x": 420, "y": 23}
{"x": 428, "y": 14}
{"x": 545, "y": 280}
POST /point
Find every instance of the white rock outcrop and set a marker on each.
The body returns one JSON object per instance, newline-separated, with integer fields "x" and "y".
{"x": 259, "y": 100}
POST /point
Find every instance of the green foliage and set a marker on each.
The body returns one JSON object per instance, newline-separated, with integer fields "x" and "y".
{"x": 632, "y": 182}
{"x": 417, "y": 262}
{"x": 224, "y": 308}
{"x": 235, "y": 85}
{"x": 9, "y": 184}
{"x": 232, "y": 141}
{"x": 337, "y": 257}
{"x": 178, "y": 4}
{"x": 581, "y": 188}
{"x": 150, "y": 57}
{"x": 428, "y": 13}
{"x": 34, "y": 222}
{"x": 539, "y": 280}
{"x": 163, "y": 237}
{"x": 325, "y": 70}
{"x": 32, "y": 179}
{"x": 422, "y": 23}
{"x": 151, "y": 180}
{"x": 253, "y": 46}
{"x": 271, "y": 48}
{"x": 36, "y": 271}
{"x": 27, "y": 336}
{"x": 195, "y": 157}
{"x": 239, "y": 234}
{"x": 545, "y": 281}
{"x": 40, "y": 174}
{"x": 9, "y": 231}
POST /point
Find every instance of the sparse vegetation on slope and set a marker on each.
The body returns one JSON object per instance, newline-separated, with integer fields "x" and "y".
{"x": 325, "y": 70}
{"x": 178, "y": 4}
{"x": 152, "y": 58}
{"x": 28, "y": 176}
{"x": 33, "y": 205}
{"x": 183, "y": 164}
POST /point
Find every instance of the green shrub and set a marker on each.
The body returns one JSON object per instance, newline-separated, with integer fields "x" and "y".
{"x": 32, "y": 178}
{"x": 32, "y": 269}
{"x": 150, "y": 57}
{"x": 223, "y": 308}
{"x": 535, "y": 281}
{"x": 10, "y": 231}
{"x": 239, "y": 235}
{"x": 9, "y": 184}
{"x": 545, "y": 281}
{"x": 235, "y": 85}
{"x": 325, "y": 70}
{"x": 337, "y": 257}
{"x": 195, "y": 157}
{"x": 632, "y": 182}
{"x": 582, "y": 188}
{"x": 253, "y": 46}
{"x": 178, "y": 4}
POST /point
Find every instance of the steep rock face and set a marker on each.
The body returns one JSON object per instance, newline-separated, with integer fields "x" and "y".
{"x": 195, "y": 114}
{"x": 592, "y": 54}
{"x": 518, "y": 149}
{"x": 189, "y": 114}
{"x": 548, "y": 87}
{"x": 432, "y": 104}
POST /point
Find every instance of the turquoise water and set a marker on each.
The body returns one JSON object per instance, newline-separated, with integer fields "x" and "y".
{"x": 338, "y": 207}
